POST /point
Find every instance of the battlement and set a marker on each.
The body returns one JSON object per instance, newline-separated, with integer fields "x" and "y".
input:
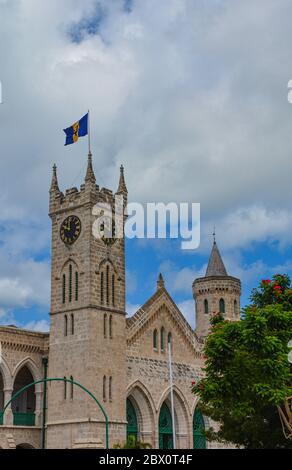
{"x": 89, "y": 191}
{"x": 210, "y": 284}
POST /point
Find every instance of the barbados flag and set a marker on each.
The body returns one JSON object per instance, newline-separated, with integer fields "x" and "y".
{"x": 78, "y": 129}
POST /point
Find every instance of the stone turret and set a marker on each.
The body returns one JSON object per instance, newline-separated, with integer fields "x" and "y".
{"x": 215, "y": 292}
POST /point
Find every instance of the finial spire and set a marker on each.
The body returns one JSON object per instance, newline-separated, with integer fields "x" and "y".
{"x": 54, "y": 183}
{"x": 214, "y": 234}
{"x": 90, "y": 177}
{"x": 160, "y": 282}
{"x": 122, "y": 185}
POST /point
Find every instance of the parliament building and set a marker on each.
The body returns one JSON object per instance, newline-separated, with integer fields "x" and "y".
{"x": 122, "y": 361}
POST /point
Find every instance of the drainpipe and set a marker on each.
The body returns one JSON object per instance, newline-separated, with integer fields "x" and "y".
{"x": 45, "y": 364}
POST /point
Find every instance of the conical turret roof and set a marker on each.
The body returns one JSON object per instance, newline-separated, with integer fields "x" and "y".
{"x": 215, "y": 266}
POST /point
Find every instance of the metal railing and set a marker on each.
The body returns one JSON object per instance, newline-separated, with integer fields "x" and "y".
{"x": 23, "y": 419}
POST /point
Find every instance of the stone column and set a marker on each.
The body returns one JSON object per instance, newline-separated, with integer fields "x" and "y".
{"x": 38, "y": 407}
{"x": 8, "y": 416}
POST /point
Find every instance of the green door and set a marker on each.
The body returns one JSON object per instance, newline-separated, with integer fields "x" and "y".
{"x": 132, "y": 426}
{"x": 165, "y": 428}
{"x": 198, "y": 431}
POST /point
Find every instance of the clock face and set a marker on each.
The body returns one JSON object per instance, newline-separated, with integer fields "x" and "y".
{"x": 70, "y": 229}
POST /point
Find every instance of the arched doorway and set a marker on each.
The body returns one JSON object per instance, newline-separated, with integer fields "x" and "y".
{"x": 23, "y": 406}
{"x": 165, "y": 428}
{"x": 24, "y": 446}
{"x": 141, "y": 400}
{"x": 1, "y": 398}
{"x": 198, "y": 431}
{"x": 132, "y": 426}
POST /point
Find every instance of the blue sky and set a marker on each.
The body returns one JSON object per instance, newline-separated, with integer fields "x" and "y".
{"x": 190, "y": 96}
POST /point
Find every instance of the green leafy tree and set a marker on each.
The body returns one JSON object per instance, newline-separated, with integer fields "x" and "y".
{"x": 247, "y": 373}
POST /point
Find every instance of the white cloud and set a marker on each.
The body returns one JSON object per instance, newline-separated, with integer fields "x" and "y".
{"x": 190, "y": 96}
{"x": 184, "y": 98}
{"x": 246, "y": 225}
{"x": 23, "y": 282}
{"x": 179, "y": 280}
{"x": 187, "y": 307}
{"x": 38, "y": 325}
{"x": 131, "y": 309}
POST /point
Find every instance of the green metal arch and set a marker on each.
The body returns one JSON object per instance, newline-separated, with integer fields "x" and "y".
{"x": 55, "y": 379}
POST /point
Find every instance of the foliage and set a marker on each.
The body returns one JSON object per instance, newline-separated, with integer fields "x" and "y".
{"x": 132, "y": 443}
{"x": 273, "y": 291}
{"x": 247, "y": 372}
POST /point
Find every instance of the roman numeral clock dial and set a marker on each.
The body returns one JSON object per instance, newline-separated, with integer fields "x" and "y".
{"x": 70, "y": 229}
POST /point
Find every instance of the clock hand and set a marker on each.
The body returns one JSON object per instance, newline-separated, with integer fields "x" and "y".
{"x": 68, "y": 226}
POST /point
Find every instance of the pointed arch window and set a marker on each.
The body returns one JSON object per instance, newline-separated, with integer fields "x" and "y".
{"x": 104, "y": 388}
{"x": 72, "y": 324}
{"x": 65, "y": 325}
{"x": 235, "y": 307}
{"x": 65, "y": 388}
{"x": 107, "y": 285}
{"x": 76, "y": 285}
{"x": 111, "y": 326}
{"x": 113, "y": 290}
{"x": 206, "y": 306}
{"x": 162, "y": 339}
{"x": 101, "y": 288}
{"x": 70, "y": 282}
{"x": 71, "y": 388}
{"x": 169, "y": 339}
{"x": 64, "y": 288}
{"x": 221, "y": 306}
{"x": 155, "y": 340}
{"x": 110, "y": 388}
{"x": 105, "y": 325}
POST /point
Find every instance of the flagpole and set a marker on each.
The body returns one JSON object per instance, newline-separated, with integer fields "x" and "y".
{"x": 171, "y": 394}
{"x": 89, "y": 149}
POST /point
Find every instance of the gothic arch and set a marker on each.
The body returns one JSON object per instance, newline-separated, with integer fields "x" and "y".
{"x": 194, "y": 406}
{"x": 142, "y": 401}
{"x": 205, "y": 418}
{"x": 108, "y": 261}
{"x": 6, "y": 374}
{"x": 33, "y": 368}
{"x": 179, "y": 394}
{"x": 181, "y": 414}
{"x": 68, "y": 261}
{"x": 25, "y": 446}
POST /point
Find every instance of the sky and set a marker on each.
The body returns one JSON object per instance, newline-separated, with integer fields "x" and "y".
{"x": 189, "y": 95}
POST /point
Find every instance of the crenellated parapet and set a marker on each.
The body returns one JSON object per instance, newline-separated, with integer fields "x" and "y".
{"x": 89, "y": 192}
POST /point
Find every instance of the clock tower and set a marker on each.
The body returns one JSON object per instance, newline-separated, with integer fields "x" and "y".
{"x": 87, "y": 335}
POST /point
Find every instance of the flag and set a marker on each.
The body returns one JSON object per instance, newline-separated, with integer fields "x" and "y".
{"x": 78, "y": 129}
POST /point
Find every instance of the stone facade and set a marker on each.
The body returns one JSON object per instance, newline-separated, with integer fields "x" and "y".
{"x": 123, "y": 362}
